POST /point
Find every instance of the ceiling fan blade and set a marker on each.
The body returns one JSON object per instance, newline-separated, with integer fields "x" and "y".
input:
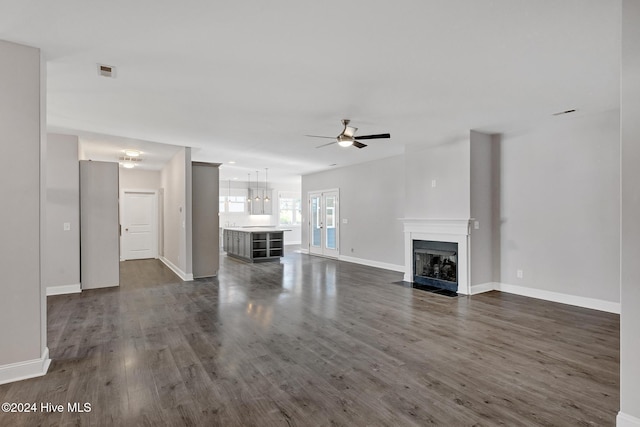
{"x": 378, "y": 136}
{"x": 324, "y": 145}
{"x": 319, "y": 136}
{"x": 359, "y": 144}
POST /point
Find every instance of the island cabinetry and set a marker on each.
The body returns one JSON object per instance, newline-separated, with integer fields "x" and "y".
{"x": 254, "y": 245}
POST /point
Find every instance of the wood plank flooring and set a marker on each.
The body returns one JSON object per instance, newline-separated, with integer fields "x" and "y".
{"x": 317, "y": 342}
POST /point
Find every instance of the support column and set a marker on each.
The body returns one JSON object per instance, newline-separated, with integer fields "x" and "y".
{"x": 630, "y": 217}
{"x": 23, "y": 353}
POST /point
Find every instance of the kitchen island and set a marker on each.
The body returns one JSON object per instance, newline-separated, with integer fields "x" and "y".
{"x": 254, "y": 244}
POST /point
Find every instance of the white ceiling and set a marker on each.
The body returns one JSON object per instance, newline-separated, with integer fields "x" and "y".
{"x": 244, "y": 81}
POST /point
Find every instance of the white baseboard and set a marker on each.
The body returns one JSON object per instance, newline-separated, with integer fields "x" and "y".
{"x": 626, "y": 420}
{"x": 483, "y": 287}
{"x": 64, "y": 289}
{"x": 370, "y": 263}
{"x": 304, "y": 251}
{"x": 592, "y": 303}
{"x": 181, "y": 274}
{"x": 25, "y": 370}
{"x": 293, "y": 243}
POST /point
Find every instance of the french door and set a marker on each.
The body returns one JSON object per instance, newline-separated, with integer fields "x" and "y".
{"x": 324, "y": 224}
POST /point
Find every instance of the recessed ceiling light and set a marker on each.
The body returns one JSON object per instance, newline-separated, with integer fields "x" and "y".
{"x": 132, "y": 153}
{"x": 235, "y": 179}
{"x": 232, "y": 162}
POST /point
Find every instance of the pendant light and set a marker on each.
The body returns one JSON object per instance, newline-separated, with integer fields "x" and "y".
{"x": 257, "y": 188}
{"x": 266, "y": 185}
{"x": 249, "y": 188}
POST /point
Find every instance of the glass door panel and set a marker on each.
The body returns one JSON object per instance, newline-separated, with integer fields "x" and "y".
{"x": 316, "y": 223}
{"x": 330, "y": 215}
{"x": 324, "y": 223}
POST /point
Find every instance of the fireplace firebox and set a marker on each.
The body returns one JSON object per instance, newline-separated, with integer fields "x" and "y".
{"x": 436, "y": 264}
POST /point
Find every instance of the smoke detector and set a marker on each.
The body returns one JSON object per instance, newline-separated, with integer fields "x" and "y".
{"x": 107, "y": 71}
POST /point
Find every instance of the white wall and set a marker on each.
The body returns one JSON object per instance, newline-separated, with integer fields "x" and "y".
{"x": 137, "y": 179}
{"x": 560, "y": 206}
{"x": 372, "y": 200}
{"x": 447, "y": 163}
{"x": 176, "y": 184}
{"x": 630, "y": 230}
{"x": 62, "y": 261}
{"x": 23, "y": 352}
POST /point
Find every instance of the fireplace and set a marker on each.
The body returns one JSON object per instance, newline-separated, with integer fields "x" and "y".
{"x": 448, "y": 235}
{"x": 436, "y": 264}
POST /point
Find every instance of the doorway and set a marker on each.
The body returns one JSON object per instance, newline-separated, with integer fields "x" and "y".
{"x": 324, "y": 224}
{"x": 138, "y": 224}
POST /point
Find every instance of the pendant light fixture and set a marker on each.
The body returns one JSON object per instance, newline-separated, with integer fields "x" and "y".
{"x": 257, "y": 188}
{"x": 266, "y": 185}
{"x": 249, "y": 188}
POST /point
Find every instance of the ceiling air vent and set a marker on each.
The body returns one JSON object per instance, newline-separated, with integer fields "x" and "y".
{"x": 107, "y": 71}
{"x": 564, "y": 112}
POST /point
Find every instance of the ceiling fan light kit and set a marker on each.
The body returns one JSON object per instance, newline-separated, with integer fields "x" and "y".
{"x": 345, "y": 141}
{"x": 347, "y": 137}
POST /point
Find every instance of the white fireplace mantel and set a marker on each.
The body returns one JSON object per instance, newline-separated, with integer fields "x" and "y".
{"x": 439, "y": 230}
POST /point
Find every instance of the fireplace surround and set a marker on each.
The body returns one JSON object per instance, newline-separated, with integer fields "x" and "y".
{"x": 454, "y": 231}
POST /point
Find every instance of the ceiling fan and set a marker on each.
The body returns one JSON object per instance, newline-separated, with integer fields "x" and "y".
{"x": 347, "y": 137}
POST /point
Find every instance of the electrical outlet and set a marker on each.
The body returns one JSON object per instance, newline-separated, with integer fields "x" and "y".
{"x": 476, "y": 225}
{"x": 345, "y": 221}
{"x": 433, "y": 183}
{"x": 519, "y": 274}
{"x": 66, "y": 226}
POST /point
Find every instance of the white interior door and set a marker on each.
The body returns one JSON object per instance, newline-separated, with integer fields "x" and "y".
{"x": 324, "y": 223}
{"x": 139, "y": 225}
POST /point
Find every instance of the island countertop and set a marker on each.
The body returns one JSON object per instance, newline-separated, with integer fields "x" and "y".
{"x": 256, "y": 229}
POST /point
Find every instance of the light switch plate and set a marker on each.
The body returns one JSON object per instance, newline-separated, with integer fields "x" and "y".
{"x": 66, "y": 226}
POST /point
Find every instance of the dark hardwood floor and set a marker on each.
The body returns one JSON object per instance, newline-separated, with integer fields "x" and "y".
{"x": 317, "y": 342}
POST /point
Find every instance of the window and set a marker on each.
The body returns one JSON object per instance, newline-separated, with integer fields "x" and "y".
{"x": 290, "y": 211}
{"x": 236, "y": 203}
{"x": 232, "y": 204}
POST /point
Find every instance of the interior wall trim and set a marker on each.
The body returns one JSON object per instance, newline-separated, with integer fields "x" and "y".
{"x": 181, "y": 274}
{"x": 370, "y": 263}
{"x": 484, "y": 287}
{"x": 64, "y": 289}
{"x": 626, "y": 420}
{"x": 592, "y": 303}
{"x": 24, "y": 370}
